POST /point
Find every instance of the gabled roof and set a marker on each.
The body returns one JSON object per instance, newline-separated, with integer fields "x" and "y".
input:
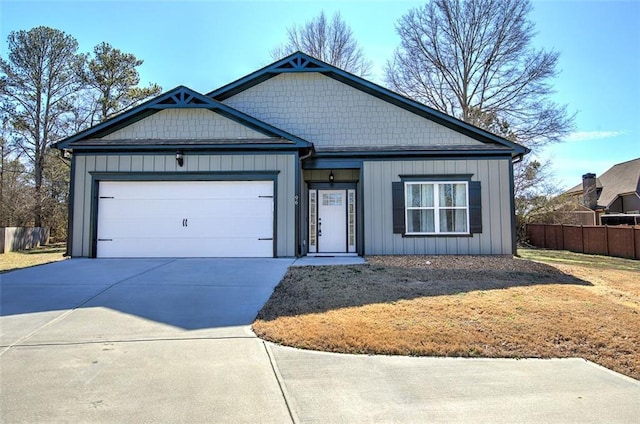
{"x": 300, "y": 62}
{"x": 179, "y": 98}
{"x": 622, "y": 178}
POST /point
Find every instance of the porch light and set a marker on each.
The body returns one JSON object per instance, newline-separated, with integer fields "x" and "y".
{"x": 180, "y": 158}
{"x": 331, "y": 177}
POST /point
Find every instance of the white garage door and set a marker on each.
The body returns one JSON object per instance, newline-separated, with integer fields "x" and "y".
{"x": 185, "y": 219}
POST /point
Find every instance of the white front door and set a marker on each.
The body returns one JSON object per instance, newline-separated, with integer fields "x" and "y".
{"x": 332, "y": 221}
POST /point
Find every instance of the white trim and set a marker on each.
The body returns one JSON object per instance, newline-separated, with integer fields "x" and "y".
{"x": 436, "y": 208}
{"x": 330, "y": 255}
{"x": 313, "y": 220}
{"x": 352, "y": 221}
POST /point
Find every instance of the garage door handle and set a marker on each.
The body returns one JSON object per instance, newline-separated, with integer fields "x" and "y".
{"x": 185, "y": 222}
{"x": 265, "y": 239}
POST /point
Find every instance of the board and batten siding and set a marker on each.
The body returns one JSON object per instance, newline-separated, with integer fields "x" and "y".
{"x": 87, "y": 163}
{"x": 496, "y": 236}
{"x": 332, "y": 114}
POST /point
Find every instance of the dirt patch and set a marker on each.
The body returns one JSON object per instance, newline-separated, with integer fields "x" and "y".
{"x": 458, "y": 306}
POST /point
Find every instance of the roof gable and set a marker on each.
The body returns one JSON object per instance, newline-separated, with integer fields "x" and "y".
{"x": 185, "y": 124}
{"x": 179, "y": 98}
{"x": 300, "y": 62}
{"x": 339, "y": 118}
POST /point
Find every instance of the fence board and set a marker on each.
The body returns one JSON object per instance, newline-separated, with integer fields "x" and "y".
{"x": 621, "y": 241}
{"x": 595, "y": 240}
{"x": 553, "y": 237}
{"x": 573, "y": 238}
{"x": 536, "y": 234}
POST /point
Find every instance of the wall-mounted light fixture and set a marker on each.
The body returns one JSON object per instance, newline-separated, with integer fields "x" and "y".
{"x": 180, "y": 158}
{"x": 331, "y": 177}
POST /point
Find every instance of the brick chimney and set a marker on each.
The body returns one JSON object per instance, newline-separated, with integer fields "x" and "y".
{"x": 590, "y": 194}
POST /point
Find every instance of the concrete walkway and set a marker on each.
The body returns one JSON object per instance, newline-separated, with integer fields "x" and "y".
{"x": 329, "y": 260}
{"x": 164, "y": 340}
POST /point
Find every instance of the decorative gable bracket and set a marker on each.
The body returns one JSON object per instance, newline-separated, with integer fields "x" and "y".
{"x": 182, "y": 98}
{"x": 297, "y": 63}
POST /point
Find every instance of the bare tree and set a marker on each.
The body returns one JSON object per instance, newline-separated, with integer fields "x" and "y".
{"x": 38, "y": 85}
{"x": 472, "y": 59}
{"x": 330, "y": 41}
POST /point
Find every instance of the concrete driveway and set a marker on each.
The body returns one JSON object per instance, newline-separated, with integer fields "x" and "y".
{"x": 165, "y": 340}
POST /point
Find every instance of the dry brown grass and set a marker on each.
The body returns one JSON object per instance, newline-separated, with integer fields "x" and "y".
{"x": 461, "y": 306}
{"x": 11, "y": 261}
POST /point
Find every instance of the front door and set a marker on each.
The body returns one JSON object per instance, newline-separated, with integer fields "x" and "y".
{"x": 332, "y": 221}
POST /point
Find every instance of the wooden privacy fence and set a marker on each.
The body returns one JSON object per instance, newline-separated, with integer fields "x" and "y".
{"x": 21, "y": 238}
{"x": 622, "y": 240}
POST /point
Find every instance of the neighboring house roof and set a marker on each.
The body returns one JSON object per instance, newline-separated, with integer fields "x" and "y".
{"x": 300, "y": 62}
{"x": 179, "y": 98}
{"x": 622, "y": 178}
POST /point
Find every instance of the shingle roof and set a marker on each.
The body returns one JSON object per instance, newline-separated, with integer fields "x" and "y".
{"x": 622, "y": 178}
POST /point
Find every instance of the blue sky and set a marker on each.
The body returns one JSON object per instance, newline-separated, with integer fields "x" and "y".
{"x": 205, "y": 44}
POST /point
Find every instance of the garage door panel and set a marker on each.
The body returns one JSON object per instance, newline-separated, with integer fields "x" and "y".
{"x": 169, "y": 247}
{"x": 185, "y": 219}
{"x": 186, "y": 189}
{"x": 138, "y": 207}
{"x": 228, "y": 227}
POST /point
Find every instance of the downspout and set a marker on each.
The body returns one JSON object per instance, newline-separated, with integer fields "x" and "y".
{"x": 68, "y": 154}
{"x": 307, "y": 156}
{"x": 299, "y": 200}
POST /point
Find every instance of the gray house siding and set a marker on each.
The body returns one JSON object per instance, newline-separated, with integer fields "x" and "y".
{"x": 85, "y": 164}
{"x": 497, "y": 230}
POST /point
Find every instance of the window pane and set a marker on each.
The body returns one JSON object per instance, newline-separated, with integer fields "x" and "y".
{"x": 453, "y": 195}
{"x": 420, "y": 221}
{"x": 332, "y": 199}
{"x": 420, "y": 195}
{"x": 453, "y": 220}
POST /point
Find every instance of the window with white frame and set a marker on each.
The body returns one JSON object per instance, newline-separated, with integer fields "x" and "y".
{"x": 437, "y": 207}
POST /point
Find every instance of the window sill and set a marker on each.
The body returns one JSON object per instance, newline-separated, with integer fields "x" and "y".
{"x": 439, "y": 235}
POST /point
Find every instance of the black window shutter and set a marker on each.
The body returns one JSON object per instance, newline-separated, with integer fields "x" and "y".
{"x": 397, "y": 193}
{"x": 475, "y": 207}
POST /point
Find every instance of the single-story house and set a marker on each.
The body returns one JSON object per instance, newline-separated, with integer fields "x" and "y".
{"x": 297, "y": 158}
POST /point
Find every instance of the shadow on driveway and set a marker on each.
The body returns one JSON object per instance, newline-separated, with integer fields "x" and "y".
{"x": 187, "y": 293}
